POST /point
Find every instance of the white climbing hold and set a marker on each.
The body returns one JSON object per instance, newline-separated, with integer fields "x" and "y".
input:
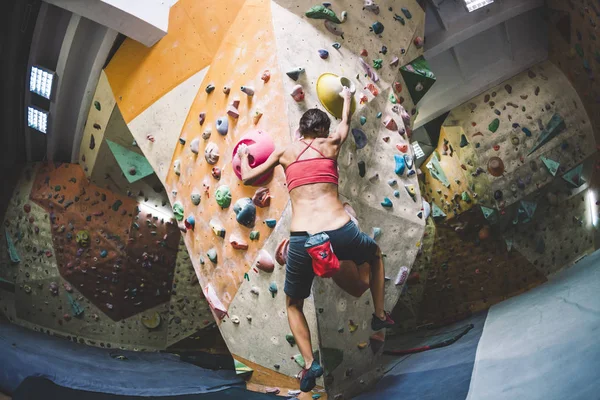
{"x": 235, "y": 319}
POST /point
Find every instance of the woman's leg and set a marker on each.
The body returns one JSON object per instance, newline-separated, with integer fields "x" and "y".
{"x": 299, "y": 328}
{"x": 377, "y": 283}
{"x": 353, "y": 279}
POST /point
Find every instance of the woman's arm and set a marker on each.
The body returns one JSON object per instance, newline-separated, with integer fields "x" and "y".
{"x": 249, "y": 174}
{"x": 341, "y": 133}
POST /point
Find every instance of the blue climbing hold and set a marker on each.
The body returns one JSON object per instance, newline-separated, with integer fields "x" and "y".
{"x": 190, "y": 222}
{"x": 387, "y": 203}
{"x": 324, "y": 54}
{"x": 222, "y": 125}
{"x": 273, "y": 289}
{"x": 379, "y": 114}
{"x": 363, "y": 120}
{"x": 396, "y": 193}
{"x": 377, "y": 28}
{"x": 336, "y": 45}
{"x": 392, "y": 182}
{"x": 526, "y": 131}
{"x": 400, "y": 164}
{"x": 271, "y": 222}
{"x": 406, "y": 13}
{"x": 411, "y": 172}
{"x": 103, "y": 253}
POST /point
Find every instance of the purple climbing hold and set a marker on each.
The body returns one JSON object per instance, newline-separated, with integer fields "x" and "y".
{"x": 324, "y": 54}
{"x": 360, "y": 138}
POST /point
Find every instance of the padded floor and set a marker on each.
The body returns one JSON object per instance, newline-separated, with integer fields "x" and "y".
{"x": 442, "y": 373}
{"x": 43, "y": 389}
{"x": 544, "y": 344}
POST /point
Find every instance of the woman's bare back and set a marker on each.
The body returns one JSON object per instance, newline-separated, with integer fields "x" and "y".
{"x": 315, "y": 207}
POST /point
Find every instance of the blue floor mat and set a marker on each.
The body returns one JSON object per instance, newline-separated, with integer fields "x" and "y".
{"x": 25, "y": 353}
{"x": 443, "y": 373}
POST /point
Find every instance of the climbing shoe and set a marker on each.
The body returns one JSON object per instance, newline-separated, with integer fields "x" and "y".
{"x": 308, "y": 377}
{"x": 378, "y": 324}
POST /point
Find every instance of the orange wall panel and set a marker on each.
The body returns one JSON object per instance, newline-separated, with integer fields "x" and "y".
{"x": 244, "y": 55}
{"x": 140, "y": 75}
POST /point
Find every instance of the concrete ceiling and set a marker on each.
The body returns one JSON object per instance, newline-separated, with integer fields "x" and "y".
{"x": 471, "y": 52}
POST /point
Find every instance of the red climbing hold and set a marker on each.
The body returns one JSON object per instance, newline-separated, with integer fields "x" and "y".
{"x": 402, "y": 147}
{"x": 27, "y": 208}
{"x": 496, "y": 147}
{"x": 282, "y": 251}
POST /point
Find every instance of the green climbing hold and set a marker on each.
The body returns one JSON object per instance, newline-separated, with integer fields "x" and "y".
{"x": 254, "y": 235}
{"x": 574, "y": 177}
{"x": 322, "y": 12}
{"x": 299, "y": 360}
{"x": 273, "y": 289}
{"x": 489, "y": 214}
{"x": 463, "y": 141}
{"x": 241, "y": 368}
{"x": 116, "y": 205}
{"x": 290, "y": 339}
{"x": 579, "y": 50}
{"x": 377, "y": 63}
{"x": 363, "y": 120}
{"x": 178, "y": 211}
{"x": 379, "y": 114}
{"x": 97, "y": 105}
{"x": 494, "y": 125}
{"x": 212, "y": 255}
{"x": 393, "y": 98}
{"x": 465, "y": 197}
{"x": 130, "y": 161}
{"x": 437, "y": 212}
{"x": 553, "y": 129}
{"x": 75, "y": 306}
{"x": 527, "y": 209}
{"x": 436, "y": 170}
{"x": 406, "y": 13}
{"x": 12, "y": 250}
{"x": 223, "y": 196}
{"x": 551, "y": 165}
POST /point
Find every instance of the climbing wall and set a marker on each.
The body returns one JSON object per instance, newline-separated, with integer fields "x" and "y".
{"x": 499, "y": 228}
{"x": 269, "y": 48}
{"x": 94, "y": 270}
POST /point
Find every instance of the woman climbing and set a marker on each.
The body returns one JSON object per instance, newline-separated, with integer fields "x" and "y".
{"x": 310, "y": 166}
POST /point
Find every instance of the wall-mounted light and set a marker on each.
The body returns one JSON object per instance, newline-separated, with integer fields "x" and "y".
{"x": 473, "y": 5}
{"x": 37, "y": 119}
{"x": 418, "y": 150}
{"x": 593, "y": 209}
{"x": 41, "y": 81}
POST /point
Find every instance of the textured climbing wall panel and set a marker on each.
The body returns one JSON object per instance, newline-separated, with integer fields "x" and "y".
{"x": 256, "y": 37}
{"x": 448, "y": 195}
{"x": 100, "y": 113}
{"x": 560, "y": 234}
{"x": 140, "y": 75}
{"x": 131, "y": 262}
{"x": 508, "y": 121}
{"x": 464, "y": 267}
{"x": 575, "y": 49}
{"x": 157, "y": 128}
{"x": 43, "y": 299}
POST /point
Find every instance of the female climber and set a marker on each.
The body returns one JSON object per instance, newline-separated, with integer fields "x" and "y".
{"x": 311, "y": 171}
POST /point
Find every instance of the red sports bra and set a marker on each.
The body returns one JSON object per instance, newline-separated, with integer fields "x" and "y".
{"x": 312, "y": 170}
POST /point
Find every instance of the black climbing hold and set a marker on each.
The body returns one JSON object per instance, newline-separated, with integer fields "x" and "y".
{"x": 92, "y": 142}
{"x": 362, "y": 169}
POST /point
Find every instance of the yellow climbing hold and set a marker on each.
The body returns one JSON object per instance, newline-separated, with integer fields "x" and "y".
{"x": 362, "y": 345}
{"x": 352, "y": 326}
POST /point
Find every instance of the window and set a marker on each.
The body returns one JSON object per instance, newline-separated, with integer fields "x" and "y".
{"x": 40, "y": 82}
{"x": 418, "y": 150}
{"x": 37, "y": 119}
{"x": 473, "y": 5}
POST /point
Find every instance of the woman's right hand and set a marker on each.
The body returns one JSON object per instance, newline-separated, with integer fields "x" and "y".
{"x": 346, "y": 94}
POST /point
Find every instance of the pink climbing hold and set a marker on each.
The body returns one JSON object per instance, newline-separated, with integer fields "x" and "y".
{"x": 282, "y": 251}
{"x": 272, "y": 390}
{"x": 390, "y": 123}
{"x": 265, "y": 262}
{"x": 419, "y": 42}
{"x": 214, "y": 302}
{"x": 298, "y": 93}
{"x": 260, "y": 146}
{"x": 237, "y": 242}
{"x": 403, "y": 148}
{"x": 262, "y": 197}
{"x": 235, "y": 103}
{"x": 201, "y": 118}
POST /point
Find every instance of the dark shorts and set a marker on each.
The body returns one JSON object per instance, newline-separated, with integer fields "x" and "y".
{"x": 348, "y": 243}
